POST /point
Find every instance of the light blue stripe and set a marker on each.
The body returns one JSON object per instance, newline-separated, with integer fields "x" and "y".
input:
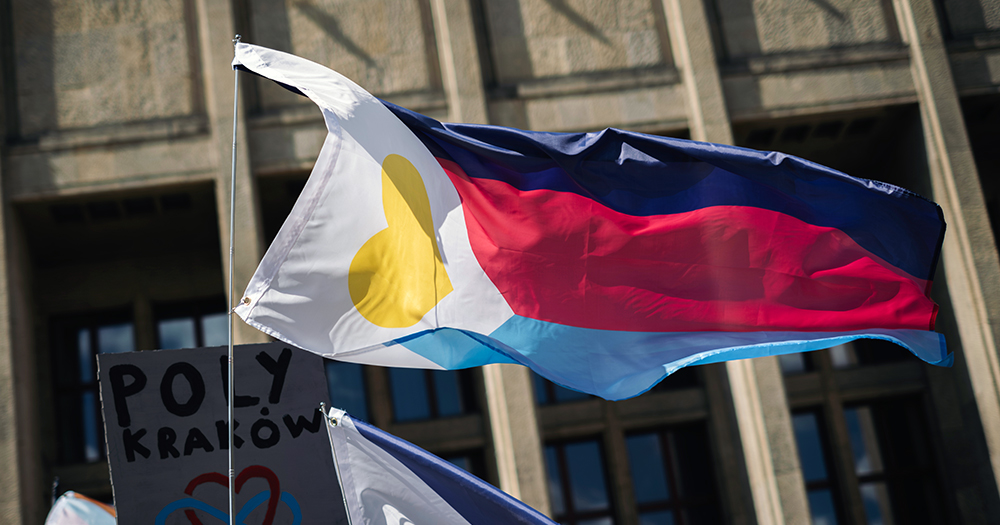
{"x": 618, "y": 365}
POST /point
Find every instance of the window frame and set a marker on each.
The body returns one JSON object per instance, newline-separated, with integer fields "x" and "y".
{"x": 64, "y": 330}
{"x": 466, "y": 387}
{"x": 569, "y": 515}
{"x": 193, "y": 308}
{"x": 678, "y": 504}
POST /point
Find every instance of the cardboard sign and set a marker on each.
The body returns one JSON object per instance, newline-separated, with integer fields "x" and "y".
{"x": 165, "y": 421}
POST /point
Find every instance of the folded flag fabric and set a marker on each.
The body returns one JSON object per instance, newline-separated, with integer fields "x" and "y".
{"x": 389, "y": 481}
{"x": 602, "y": 261}
{"x": 75, "y": 509}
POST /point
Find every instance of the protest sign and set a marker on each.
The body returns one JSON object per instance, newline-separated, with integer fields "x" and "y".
{"x": 165, "y": 420}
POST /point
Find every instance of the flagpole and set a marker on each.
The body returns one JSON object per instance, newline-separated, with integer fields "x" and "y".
{"x": 232, "y": 225}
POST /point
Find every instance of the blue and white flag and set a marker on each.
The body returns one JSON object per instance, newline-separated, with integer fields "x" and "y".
{"x": 388, "y": 481}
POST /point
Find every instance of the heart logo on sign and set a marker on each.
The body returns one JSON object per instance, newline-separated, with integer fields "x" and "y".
{"x": 253, "y": 471}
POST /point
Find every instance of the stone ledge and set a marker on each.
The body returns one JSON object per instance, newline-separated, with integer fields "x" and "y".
{"x": 419, "y": 101}
{"x": 817, "y": 59}
{"x": 586, "y": 83}
{"x": 990, "y": 40}
{"x": 110, "y": 135}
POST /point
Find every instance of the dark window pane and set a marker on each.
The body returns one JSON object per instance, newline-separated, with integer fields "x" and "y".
{"x": 586, "y": 476}
{"x": 808, "y": 439}
{"x": 409, "y": 394}
{"x": 876, "y": 500}
{"x": 649, "y": 478}
{"x": 462, "y": 462}
{"x": 86, "y": 356}
{"x": 821, "y": 507}
{"x": 448, "y": 393}
{"x": 115, "y": 339}
{"x": 346, "y": 385}
{"x": 792, "y": 363}
{"x": 597, "y": 521}
{"x": 192, "y": 324}
{"x": 686, "y": 377}
{"x": 564, "y": 395}
{"x": 877, "y": 351}
{"x": 177, "y": 333}
{"x": 707, "y": 514}
{"x": 541, "y": 390}
{"x": 555, "y": 481}
{"x": 77, "y": 341}
{"x": 91, "y": 433}
{"x": 70, "y": 422}
{"x": 672, "y": 475}
{"x": 693, "y": 462}
{"x": 665, "y": 517}
{"x": 862, "y": 352}
{"x": 215, "y": 329}
{"x": 893, "y": 457}
{"x": 864, "y": 441}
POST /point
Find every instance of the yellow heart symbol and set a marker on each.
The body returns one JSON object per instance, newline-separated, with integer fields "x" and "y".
{"x": 397, "y": 276}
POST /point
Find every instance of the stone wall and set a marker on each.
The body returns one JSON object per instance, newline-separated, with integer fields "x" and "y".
{"x": 761, "y": 27}
{"x": 92, "y": 63}
{"x": 547, "y": 38}
{"x": 386, "y": 46}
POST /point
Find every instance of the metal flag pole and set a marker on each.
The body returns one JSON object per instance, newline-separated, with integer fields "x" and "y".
{"x": 232, "y": 225}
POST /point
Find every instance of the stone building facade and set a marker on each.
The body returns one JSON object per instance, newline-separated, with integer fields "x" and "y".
{"x": 115, "y": 166}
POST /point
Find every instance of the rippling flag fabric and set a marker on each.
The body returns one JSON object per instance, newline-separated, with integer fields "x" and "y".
{"x": 602, "y": 261}
{"x": 388, "y": 480}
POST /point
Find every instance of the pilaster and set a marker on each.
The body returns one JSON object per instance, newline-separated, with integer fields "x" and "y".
{"x": 461, "y": 67}
{"x": 216, "y": 28}
{"x": 969, "y": 255}
{"x": 516, "y": 440}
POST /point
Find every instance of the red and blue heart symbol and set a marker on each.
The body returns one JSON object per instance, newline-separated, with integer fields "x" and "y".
{"x": 271, "y": 496}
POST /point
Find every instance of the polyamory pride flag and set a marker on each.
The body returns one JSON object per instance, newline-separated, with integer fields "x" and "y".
{"x": 603, "y": 261}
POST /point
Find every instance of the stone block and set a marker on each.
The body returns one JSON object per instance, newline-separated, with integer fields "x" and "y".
{"x": 92, "y": 63}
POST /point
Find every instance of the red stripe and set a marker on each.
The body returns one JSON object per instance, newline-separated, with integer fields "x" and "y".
{"x": 566, "y": 259}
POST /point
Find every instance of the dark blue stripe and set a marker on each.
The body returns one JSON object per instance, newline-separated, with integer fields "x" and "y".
{"x": 477, "y": 501}
{"x": 643, "y": 175}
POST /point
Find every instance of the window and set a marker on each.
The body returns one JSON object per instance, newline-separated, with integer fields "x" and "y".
{"x": 76, "y": 342}
{"x": 797, "y": 363}
{"x": 549, "y": 393}
{"x": 860, "y": 352}
{"x": 890, "y": 455}
{"x": 893, "y": 462}
{"x": 192, "y": 324}
{"x": 672, "y": 476}
{"x": 687, "y": 377}
{"x": 429, "y": 394}
{"x": 864, "y": 352}
{"x": 577, "y": 483}
{"x": 346, "y": 383}
{"x": 813, "y": 456}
